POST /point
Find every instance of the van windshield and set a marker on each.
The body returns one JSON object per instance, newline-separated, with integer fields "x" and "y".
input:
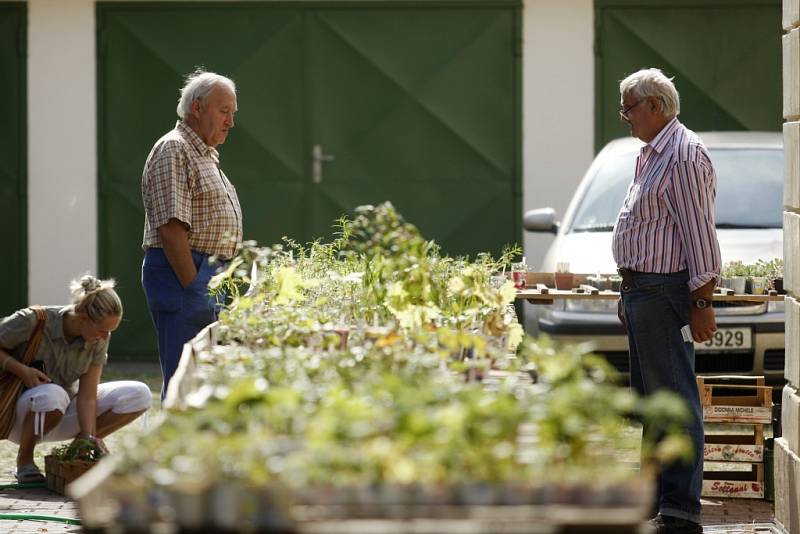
{"x": 749, "y": 190}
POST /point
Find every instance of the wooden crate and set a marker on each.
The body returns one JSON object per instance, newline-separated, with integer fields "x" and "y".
{"x": 735, "y": 484}
{"x": 739, "y": 447}
{"x": 59, "y": 473}
{"x": 735, "y": 399}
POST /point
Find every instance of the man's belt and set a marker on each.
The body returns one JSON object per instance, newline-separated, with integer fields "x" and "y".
{"x": 627, "y": 278}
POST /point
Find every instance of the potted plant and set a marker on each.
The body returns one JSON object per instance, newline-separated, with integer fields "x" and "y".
{"x": 598, "y": 281}
{"x": 736, "y": 273}
{"x": 66, "y": 463}
{"x": 773, "y": 270}
{"x": 564, "y": 279}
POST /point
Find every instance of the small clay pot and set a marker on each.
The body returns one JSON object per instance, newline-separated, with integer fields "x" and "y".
{"x": 564, "y": 280}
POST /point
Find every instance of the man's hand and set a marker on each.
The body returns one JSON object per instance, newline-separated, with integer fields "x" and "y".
{"x": 703, "y": 323}
{"x": 175, "y": 239}
{"x": 621, "y": 314}
{"x": 34, "y": 377}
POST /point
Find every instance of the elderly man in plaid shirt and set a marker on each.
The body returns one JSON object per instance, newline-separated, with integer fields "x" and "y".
{"x": 192, "y": 212}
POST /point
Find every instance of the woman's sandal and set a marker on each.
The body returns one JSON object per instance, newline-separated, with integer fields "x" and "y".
{"x": 28, "y": 474}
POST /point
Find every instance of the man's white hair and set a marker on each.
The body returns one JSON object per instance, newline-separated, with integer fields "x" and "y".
{"x": 652, "y": 82}
{"x": 198, "y": 85}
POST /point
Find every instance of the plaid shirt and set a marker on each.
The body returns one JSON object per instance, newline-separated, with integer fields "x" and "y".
{"x": 182, "y": 179}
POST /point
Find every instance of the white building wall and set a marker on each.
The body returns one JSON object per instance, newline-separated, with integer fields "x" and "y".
{"x": 787, "y": 447}
{"x": 558, "y": 107}
{"x": 62, "y": 146}
{"x": 558, "y": 129}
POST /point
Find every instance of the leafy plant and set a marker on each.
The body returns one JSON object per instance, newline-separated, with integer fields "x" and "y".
{"x": 767, "y": 268}
{"x": 79, "y": 449}
{"x": 736, "y": 268}
{"x": 581, "y": 420}
{"x": 357, "y": 363}
{"x": 771, "y": 269}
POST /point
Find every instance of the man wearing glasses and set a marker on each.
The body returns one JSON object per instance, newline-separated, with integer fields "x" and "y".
{"x": 665, "y": 246}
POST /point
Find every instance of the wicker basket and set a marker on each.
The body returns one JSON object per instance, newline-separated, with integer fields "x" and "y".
{"x": 60, "y": 473}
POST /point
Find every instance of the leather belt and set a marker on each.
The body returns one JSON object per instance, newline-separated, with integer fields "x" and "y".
{"x": 628, "y": 275}
{"x": 627, "y": 278}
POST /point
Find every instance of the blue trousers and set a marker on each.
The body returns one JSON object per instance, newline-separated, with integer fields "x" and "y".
{"x": 178, "y": 313}
{"x": 655, "y": 309}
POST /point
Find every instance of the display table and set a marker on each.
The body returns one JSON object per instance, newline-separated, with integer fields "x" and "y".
{"x": 541, "y": 289}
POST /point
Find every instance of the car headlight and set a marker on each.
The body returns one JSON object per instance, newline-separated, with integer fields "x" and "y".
{"x": 592, "y": 306}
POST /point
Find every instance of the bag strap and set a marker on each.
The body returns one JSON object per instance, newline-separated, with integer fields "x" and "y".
{"x": 36, "y": 336}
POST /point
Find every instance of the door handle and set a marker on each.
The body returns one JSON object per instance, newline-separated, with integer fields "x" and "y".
{"x": 317, "y": 159}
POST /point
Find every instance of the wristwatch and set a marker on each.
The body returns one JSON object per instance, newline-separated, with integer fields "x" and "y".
{"x": 701, "y": 304}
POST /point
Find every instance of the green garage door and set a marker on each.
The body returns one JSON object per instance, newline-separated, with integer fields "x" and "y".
{"x": 725, "y": 56}
{"x": 413, "y": 102}
{"x": 13, "y": 155}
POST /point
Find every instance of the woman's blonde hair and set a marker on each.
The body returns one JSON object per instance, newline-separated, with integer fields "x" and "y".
{"x": 96, "y": 298}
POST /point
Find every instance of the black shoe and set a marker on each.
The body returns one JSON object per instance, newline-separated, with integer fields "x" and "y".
{"x": 666, "y": 524}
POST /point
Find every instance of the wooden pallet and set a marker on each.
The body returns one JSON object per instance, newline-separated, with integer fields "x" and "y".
{"x": 735, "y": 484}
{"x": 735, "y": 399}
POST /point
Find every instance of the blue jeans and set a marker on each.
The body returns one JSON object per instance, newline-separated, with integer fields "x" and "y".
{"x": 655, "y": 309}
{"x": 178, "y": 313}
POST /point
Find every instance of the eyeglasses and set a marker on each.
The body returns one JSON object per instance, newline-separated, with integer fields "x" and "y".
{"x": 623, "y": 112}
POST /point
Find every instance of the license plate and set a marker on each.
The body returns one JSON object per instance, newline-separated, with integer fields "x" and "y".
{"x": 727, "y": 339}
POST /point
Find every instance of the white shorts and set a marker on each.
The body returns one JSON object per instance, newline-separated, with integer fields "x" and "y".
{"x": 124, "y": 396}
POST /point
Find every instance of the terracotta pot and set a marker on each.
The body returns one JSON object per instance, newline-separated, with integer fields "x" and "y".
{"x": 564, "y": 280}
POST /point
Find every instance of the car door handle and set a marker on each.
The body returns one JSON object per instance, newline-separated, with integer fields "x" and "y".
{"x": 318, "y": 157}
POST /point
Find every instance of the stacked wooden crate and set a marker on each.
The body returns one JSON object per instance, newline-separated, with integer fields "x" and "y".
{"x": 734, "y": 454}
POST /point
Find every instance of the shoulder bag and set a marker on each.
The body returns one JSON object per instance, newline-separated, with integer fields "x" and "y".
{"x": 11, "y": 385}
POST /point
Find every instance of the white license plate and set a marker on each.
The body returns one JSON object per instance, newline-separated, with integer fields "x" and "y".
{"x": 725, "y": 339}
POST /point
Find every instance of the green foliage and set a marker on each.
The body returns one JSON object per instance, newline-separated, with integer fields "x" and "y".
{"x": 582, "y": 417}
{"x": 358, "y": 362}
{"x": 771, "y": 269}
{"x": 735, "y": 268}
{"x": 767, "y": 268}
{"x": 79, "y": 449}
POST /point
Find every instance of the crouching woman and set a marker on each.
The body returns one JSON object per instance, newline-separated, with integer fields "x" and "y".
{"x": 63, "y": 397}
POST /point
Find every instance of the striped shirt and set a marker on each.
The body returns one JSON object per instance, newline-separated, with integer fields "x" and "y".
{"x": 182, "y": 180}
{"x": 667, "y": 221}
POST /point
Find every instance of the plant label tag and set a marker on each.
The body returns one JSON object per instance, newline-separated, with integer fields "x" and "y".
{"x": 686, "y": 332}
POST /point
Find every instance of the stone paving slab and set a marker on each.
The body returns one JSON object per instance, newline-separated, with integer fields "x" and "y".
{"x": 39, "y": 502}
{"x": 736, "y": 511}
